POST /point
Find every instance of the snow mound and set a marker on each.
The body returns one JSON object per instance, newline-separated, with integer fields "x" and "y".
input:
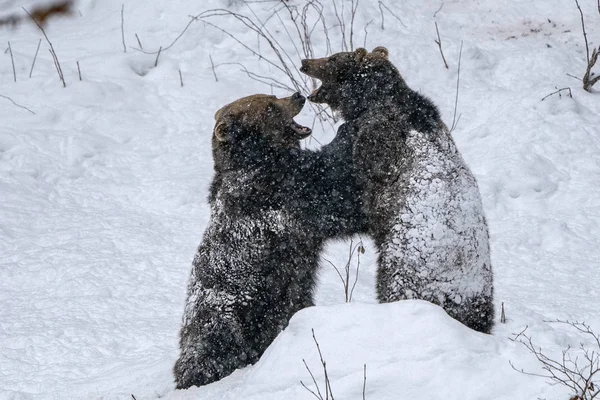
{"x": 412, "y": 349}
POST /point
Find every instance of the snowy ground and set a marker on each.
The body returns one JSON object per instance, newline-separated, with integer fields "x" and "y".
{"x": 103, "y": 201}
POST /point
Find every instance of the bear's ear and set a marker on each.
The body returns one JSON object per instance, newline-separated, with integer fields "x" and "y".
{"x": 220, "y": 132}
{"x": 359, "y": 54}
{"x": 381, "y": 51}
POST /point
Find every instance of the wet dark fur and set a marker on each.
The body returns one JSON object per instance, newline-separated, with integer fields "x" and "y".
{"x": 272, "y": 208}
{"x": 382, "y": 115}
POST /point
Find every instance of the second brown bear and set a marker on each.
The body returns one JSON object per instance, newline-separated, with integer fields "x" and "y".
{"x": 422, "y": 202}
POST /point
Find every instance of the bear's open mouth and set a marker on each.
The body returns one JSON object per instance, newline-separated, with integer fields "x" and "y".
{"x": 299, "y": 131}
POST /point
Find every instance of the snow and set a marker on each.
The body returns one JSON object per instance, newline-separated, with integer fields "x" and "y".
{"x": 103, "y": 201}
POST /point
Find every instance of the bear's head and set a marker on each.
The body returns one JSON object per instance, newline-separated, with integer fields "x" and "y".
{"x": 253, "y": 125}
{"x": 353, "y": 81}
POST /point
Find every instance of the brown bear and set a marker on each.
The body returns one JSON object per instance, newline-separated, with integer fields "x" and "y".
{"x": 423, "y": 206}
{"x": 272, "y": 207}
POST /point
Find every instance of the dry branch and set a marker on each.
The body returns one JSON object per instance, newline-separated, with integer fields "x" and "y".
{"x": 18, "y": 105}
{"x": 381, "y": 7}
{"x": 589, "y": 78}
{"x": 579, "y": 374}
{"x": 35, "y": 57}
{"x": 123, "y": 28}
{"x": 357, "y": 249}
{"x": 439, "y": 43}
{"x": 52, "y": 52}
{"x": 12, "y": 59}
{"x": 558, "y": 92}
{"x": 454, "y": 118}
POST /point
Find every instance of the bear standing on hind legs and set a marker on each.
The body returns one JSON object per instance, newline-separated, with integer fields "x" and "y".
{"x": 422, "y": 202}
{"x": 273, "y": 206}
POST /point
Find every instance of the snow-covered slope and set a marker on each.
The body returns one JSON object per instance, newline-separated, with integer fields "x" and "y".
{"x": 103, "y": 199}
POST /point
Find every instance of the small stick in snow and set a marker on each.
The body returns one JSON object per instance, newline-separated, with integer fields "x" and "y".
{"x": 454, "y": 119}
{"x": 589, "y": 79}
{"x": 319, "y": 396}
{"x": 35, "y": 57}
{"x": 213, "y": 68}
{"x": 139, "y": 41}
{"x": 438, "y": 10}
{"x": 13, "y": 61}
{"x": 587, "y": 48}
{"x": 366, "y": 33}
{"x": 79, "y": 70}
{"x": 439, "y": 43}
{"x": 327, "y": 382}
{"x": 157, "y": 56}
{"x": 180, "y": 78}
{"x": 573, "y": 76}
{"x": 123, "y": 28}
{"x": 18, "y": 105}
{"x": 381, "y": 7}
{"x": 558, "y": 92}
{"x": 502, "y": 315}
{"x": 57, "y": 66}
{"x": 364, "y": 381}
{"x": 54, "y": 56}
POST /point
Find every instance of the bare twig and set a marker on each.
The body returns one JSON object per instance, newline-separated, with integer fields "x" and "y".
{"x": 212, "y": 64}
{"x": 366, "y": 33}
{"x": 364, "y": 381}
{"x": 352, "y": 15}
{"x": 260, "y": 78}
{"x": 139, "y": 41}
{"x": 341, "y": 24}
{"x": 18, "y": 105}
{"x": 123, "y": 28}
{"x": 52, "y": 51}
{"x": 502, "y": 315}
{"x": 13, "y": 61}
{"x": 57, "y": 66}
{"x": 35, "y": 57}
{"x": 589, "y": 78}
{"x": 180, "y": 78}
{"x": 438, "y": 10}
{"x": 319, "y": 396}
{"x": 454, "y": 118}
{"x": 381, "y": 7}
{"x": 327, "y": 381}
{"x": 439, "y": 43}
{"x": 559, "y": 95}
{"x": 587, "y": 48}
{"x": 358, "y": 249}
{"x": 157, "y": 56}
{"x": 576, "y": 77}
{"x": 165, "y": 48}
{"x": 578, "y": 374}
{"x": 79, "y": 70}
{"x": 361, "y": 250}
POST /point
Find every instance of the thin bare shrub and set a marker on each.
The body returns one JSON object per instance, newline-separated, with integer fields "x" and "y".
{"x": 589, "y": 78}
{"x": 317, "y": 392}
{"x": 580, "y": 373}
{"x": 345, "y": 276}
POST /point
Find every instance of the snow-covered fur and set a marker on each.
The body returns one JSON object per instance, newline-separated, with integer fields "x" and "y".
{"x": 422, "y": 202}
{"x": 272, "y": 207}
